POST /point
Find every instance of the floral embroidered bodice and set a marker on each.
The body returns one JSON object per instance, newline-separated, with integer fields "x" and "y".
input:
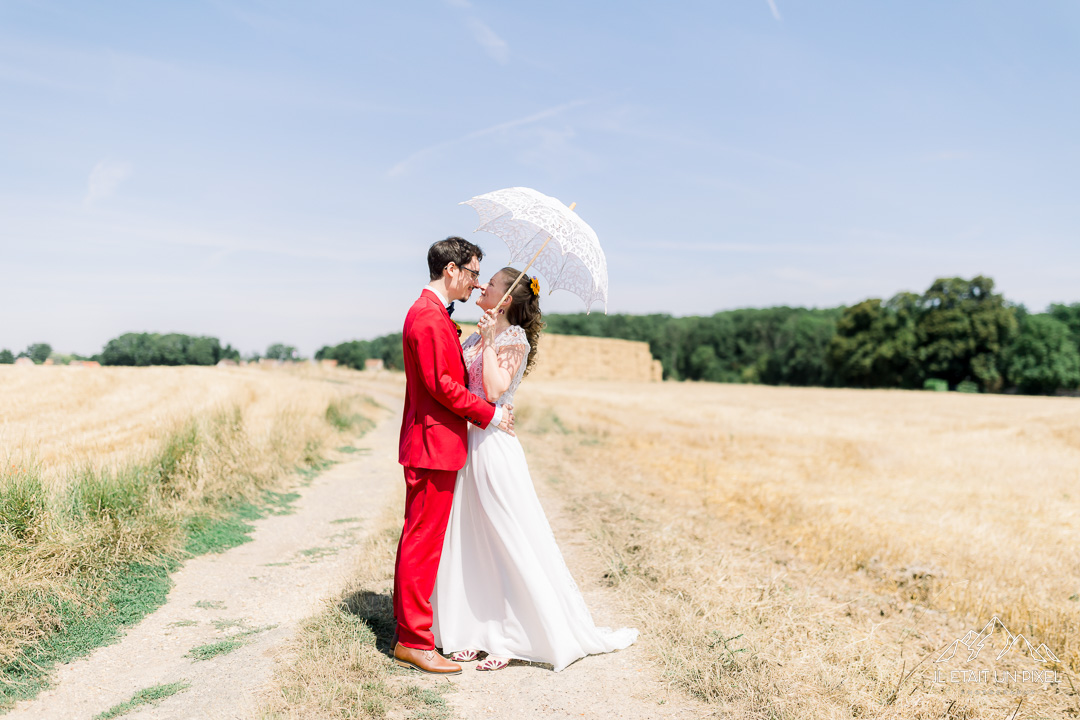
{"x": 474, "y": 359}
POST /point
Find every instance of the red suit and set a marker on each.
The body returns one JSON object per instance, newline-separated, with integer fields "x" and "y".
{"x": 433, "y": 448}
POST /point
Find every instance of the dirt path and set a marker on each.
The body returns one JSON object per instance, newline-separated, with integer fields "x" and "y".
{"x": 254, "y": 594}
{"x": 623, "y": 684}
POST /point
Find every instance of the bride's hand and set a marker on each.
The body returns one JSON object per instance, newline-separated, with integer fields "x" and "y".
{"x": 486, "y": 327}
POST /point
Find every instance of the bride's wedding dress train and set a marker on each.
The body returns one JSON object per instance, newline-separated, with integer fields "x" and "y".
{"x": 503, "y": 586}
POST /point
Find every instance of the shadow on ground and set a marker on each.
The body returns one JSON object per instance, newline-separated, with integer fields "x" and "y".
{"x": 377, "y": 612}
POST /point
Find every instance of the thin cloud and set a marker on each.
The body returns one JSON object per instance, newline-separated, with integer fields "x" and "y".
{"x": 402, "y": 167}
{"x": 493, "y": 45}
{"x": 104, "y": 179}
{"x": 740, "y": 247}
{"x": 775, "y": 11}
{"x": 896, "y": 248}
{"x": 496, "y": 48}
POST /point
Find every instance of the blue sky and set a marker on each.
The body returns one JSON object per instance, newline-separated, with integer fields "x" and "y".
{"x": 274, "y": 172}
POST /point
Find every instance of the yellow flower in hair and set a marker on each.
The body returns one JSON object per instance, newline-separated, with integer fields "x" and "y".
{"x": 535, "y": 285}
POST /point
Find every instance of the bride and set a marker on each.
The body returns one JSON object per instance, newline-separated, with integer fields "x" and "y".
{"x": 503, "y": 587}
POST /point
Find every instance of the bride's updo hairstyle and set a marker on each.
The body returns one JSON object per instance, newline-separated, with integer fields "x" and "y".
{"x": 524, "y": 310}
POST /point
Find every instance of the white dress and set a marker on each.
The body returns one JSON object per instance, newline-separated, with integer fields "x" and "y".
{"x": 503, "y": 586}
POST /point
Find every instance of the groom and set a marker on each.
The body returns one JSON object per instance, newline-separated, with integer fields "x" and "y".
{"x": 434, "y": 443}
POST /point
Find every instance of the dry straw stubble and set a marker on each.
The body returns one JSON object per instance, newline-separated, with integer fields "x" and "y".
{"x": 104, "y": 472}
{"x": 796, "y": 552}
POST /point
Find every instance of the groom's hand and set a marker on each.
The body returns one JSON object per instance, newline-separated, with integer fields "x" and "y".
{"x": 506, "y": 424}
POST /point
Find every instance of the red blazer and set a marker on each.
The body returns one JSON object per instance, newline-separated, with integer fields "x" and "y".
{"x": 437, "y": 399}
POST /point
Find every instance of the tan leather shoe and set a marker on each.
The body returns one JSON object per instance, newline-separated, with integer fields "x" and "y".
{"x": 427, "y": 661}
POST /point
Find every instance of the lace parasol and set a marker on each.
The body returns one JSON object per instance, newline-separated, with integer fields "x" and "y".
{"x": 563, "y": 248}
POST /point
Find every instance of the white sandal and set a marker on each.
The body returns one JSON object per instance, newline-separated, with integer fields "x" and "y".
{"x": 465, "y": 655}
{"x": 493, "y": 662}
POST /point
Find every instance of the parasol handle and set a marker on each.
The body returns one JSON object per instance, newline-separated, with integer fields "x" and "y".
{"x": 514, "y": 285}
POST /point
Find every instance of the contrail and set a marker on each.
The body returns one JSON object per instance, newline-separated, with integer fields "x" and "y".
{"x": 402, "y": 166}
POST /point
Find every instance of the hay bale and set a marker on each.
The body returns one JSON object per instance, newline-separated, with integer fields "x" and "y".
{"x": 566, "y": 357}
{"x": 575, "y": 357}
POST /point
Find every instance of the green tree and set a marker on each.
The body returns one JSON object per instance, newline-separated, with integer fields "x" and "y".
{"x": 142, "y": 349}
{"x": 1070, "y": 315}
{"x": 280, "y": 351}
{"x": 875, "y": 344}
{"x": 963, "y": 326}
{"x": 776, "y": 345}
{"x": 353, "y": 353}
{"x": 6, "y": 358}
{"x": 348, "y": 354}
{"x": 38, "y": 352}
{"x": 171, "y": 349}
{"x": 388, "y": 347}
{"x": 1043, "y": 357}
{"x": 203, "y": 351}
{"x": 705, "y": 350}
{"x": 130, "y": 349}
{"x": 800, "y": 356}
{"x": 704, "y": 364}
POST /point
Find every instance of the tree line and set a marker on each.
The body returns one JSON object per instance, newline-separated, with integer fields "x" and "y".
{"x": 355, "y": 353}
{"x": 144, "y": 349}
{"x": 958, "y": 334}
{"x": 38, "y": 352}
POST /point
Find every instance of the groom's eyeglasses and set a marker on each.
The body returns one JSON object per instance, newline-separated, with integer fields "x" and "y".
{"x": 475, "y": 273}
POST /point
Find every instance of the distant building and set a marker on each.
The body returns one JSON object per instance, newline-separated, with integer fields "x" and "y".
{"x": 24, "y": 361}
{"x": 85, "y": 363}
{"x": 48, "y": 361}
{"x": 374, "y": 364}
{"x": 328, "y": 363}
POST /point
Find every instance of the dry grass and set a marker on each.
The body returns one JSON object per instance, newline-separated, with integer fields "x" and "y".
{"x": 796, "y": 553}
{"x": 787, "y": 553}
{"x": 338, "y": 664}
{"x": 106, "y": 468}
{"x": 63, "y": 418}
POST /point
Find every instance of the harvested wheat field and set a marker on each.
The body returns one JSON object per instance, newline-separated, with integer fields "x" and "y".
{"x": 109, "y": 477}
{"x": 786, "y": 553}
{"x": 61, "y": 417}
{"x": 806, "y": 553}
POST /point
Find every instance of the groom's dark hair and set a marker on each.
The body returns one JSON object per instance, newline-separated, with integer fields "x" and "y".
{"x": 451, "y": 250}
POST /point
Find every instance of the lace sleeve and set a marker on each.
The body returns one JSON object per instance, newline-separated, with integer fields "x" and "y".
{"x": 513, "y": 348}
{"x": 470, "y": 341}
{"x": 514, "y": 335}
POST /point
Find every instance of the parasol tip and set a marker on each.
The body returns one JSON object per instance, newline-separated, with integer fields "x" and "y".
{"x": 573, "y": 205}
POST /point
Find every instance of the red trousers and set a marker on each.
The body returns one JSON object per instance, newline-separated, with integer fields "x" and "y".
{"x": 429, "y": 495}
